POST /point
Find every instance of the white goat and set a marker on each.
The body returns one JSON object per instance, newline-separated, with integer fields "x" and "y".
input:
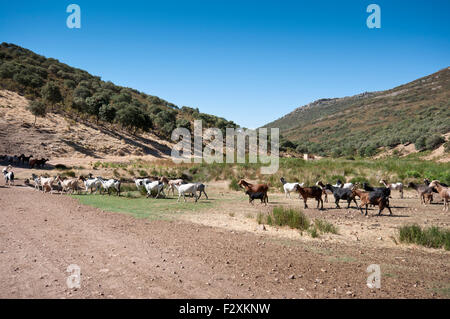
{"x": 108, "y": 184}
{"x": 289, "y": 187}
{"x": 155, "y": 186}
{"x": 8, "y": 175}
{"x": 47, "y": 183}
{"x": 395, "y": 186}
{"x": 184, "y": 189}
{"x": 141, "y": 182}
{"x": 37, "y": 181}
{"x": 91, "y": 183}
{"x": 346, "y": 185}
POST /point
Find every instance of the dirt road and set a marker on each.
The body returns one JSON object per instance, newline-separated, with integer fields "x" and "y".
{"x": 124, "y": 257}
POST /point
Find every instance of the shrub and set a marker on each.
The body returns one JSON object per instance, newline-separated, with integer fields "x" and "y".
{"x": 107, "y": 113}
{"x": 37, "y": 108}
{"x": 433, "y": 237}
{"x": 447, "y": 147}
{"x": 142, "y": 173}
{"x": 51, "y": 94}
{"x": 291, "y": 217}
{"x": 434, "y": 141}
{"x": 420, "y": 143}
{"x": 234, "y": 185}
{"x": 325, "y": 227}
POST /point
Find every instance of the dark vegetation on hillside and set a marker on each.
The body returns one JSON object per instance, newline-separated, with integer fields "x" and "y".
{"x": 417, "y": 112}
{"x": 77, "y": 94}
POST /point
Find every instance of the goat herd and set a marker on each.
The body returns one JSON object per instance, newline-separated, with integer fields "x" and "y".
{"x": 368, "y": 195}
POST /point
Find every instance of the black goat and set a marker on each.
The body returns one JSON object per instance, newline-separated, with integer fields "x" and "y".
{"x": 341, "y": 193}
{"x": 258, "y": 195}
{"x": 386, "y": 191}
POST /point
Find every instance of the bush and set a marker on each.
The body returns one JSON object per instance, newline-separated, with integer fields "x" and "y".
{"x": 432, "y": 237}
{"x": 133, "y": 117}
{"x": 325, "y": 227}
{"x": 51, "y": 94}
{"x": 107, "y": 113}
{"x": 420, "y": 143}
{"x": 234, "y": 185}
{"x": 291, "y": 217}
{"x": 434, "y": 141}
{"x": 38, "y": 109}
{"x": 447, "y": 147}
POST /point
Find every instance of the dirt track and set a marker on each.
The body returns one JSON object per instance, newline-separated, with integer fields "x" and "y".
{"x": 124, "y": 257}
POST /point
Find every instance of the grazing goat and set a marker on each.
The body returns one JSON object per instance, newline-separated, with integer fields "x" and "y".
{"x": 341, "y": 193}
{"x": 184, "y": 189}
{"x": 8, "y": 175}
{"x": 156, "y": 185}
{"x": 110, "y": 183}
{"x": 424, "y": 191}
{"x": 253, "y": 196}
{"x": 289, "y": 187}
{"x": 394, "y": 186}
{"x": 311, "y": 192}
{"x": 255, "y": 188}
{"x": 377, "y": 197}
{"x": 444, "y": 192}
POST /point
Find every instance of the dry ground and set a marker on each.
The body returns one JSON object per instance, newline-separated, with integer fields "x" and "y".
{"x": 58, "y": 136}
{"x": 214, "y": 253}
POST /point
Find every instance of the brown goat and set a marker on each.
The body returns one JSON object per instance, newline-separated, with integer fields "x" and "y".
{"x": 311, "y": 192}
{"x": 255, "y": 188}
{"x": 378, "y": 198}
{"x": 444, "y": 192}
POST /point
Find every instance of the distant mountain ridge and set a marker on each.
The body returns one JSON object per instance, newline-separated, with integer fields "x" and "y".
{"x": 417, "y": 112}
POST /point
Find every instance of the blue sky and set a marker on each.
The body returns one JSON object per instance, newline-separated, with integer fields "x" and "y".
{"x": 247, "y": 61}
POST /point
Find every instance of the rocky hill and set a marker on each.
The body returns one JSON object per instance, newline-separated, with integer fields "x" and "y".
{"x": 414, "y": 113}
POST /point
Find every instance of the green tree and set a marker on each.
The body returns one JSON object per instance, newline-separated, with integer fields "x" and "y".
{"x": 51, "y": 93}
{"x": 37, "y": 108}
{"x": 133, "y": 117}
{"x": 107, "y": 113}
{"x": 95, "y": 102}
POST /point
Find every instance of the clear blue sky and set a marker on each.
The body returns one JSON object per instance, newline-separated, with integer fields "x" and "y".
{"x": 248, "y": 61}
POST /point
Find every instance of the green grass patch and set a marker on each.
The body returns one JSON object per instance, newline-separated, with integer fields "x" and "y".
{"x": 281, "y": 216}
{"x": 432, "y": 237}
{"x": 141, "y": 207}
{"x": 325, "y": 227}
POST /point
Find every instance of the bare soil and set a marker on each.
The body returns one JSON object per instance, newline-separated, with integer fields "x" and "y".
{"x": 206, "y": 255}
{"x": 57, "y": 136}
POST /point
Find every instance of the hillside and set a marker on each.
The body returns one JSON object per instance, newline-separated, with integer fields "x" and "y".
{"x": 417, "y": 112}
{"x": 57, "y": 136}
{"x": 75, "y": 94}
